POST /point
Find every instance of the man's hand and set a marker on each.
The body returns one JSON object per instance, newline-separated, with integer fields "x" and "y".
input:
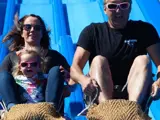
{"x": 89, "y": 86}
{"x": 155, "y": 89}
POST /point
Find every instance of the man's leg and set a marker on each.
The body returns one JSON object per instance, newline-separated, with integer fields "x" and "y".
{"x": 139, "y": 79}
{"x": 100, "y": 71}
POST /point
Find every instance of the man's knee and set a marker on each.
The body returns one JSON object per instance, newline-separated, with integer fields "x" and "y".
{"x": 142, "y": 60}
{"x": 100, "y": 60}
{"x": 100, "y": 64}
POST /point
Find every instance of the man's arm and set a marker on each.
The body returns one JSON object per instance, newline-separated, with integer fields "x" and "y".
{"x": 154, "y": 52}
{"x": 80, "y": 58}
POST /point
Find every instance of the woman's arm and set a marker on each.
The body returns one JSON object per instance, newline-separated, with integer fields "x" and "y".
{"x": 8, "y": 62}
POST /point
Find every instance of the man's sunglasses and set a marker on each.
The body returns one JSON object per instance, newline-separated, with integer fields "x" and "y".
{"x": 28, "y": 27}
{"x": 114, "y": 6}
{"x": 29, "y": 64}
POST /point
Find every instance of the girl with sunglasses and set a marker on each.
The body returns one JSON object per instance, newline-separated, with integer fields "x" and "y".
{"x": 30, "y": 32}
{"x": 29, "y": 84}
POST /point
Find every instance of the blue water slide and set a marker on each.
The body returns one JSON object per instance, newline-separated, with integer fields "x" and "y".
{"x": 151, "y": 14}
{"x": 3, "y": 5}
{"x": 66, "y": 19}
{"x": 6, "y": 20}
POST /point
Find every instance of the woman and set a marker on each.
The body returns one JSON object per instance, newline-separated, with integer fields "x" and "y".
{"x": 30, "y": 32}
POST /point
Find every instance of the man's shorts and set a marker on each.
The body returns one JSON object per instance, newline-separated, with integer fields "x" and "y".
{"x": 120, "y": 92}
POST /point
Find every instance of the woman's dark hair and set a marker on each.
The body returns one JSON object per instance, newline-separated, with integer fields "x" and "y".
{"x": 17, "y": 42}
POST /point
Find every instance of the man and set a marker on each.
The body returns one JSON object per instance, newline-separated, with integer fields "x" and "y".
{"x": 117, "y": 52}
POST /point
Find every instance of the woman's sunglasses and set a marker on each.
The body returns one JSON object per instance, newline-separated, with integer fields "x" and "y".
{"x": 29, "y": 64}
{"x": 28, "y": 27}
{"x": 114, "y": 6}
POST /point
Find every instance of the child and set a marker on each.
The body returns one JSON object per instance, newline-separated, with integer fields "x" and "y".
{"x": 30, "y": 80}
{"x": 27, "y": 76}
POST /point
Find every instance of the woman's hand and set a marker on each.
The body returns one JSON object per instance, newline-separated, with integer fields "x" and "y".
{"x": 66, "y": 77}
{"x": 65, "y": 73}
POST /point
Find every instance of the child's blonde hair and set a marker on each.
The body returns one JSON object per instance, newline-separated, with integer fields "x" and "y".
{"x": 32, "y": 52}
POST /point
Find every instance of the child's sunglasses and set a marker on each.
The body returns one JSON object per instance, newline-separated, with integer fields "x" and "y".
{"x": 29, "y": 64}
{"x": 114, "y": 6}
{"x": 28, "y": 27}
